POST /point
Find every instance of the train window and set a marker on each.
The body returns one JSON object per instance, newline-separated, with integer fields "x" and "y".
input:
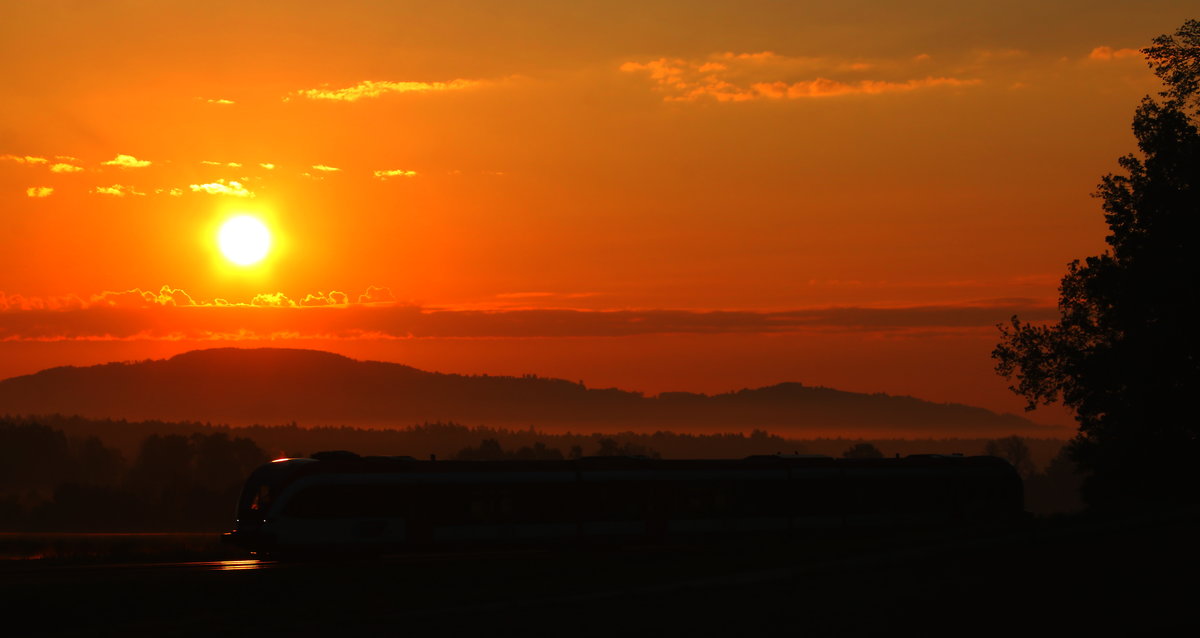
{"x": 615, "y": 500}
{"x": 700, "y": 500}
{"x": 256, "y": 499}
{"x": 262, "y": 499}
{"x": 543, "y": 503}
{"x": 817, "y": 495}
{"x": 347, "y": 501}
{"x": 465, "y": 504}
{"x": 761, "y": 498}
{"x": 490, "y": 504}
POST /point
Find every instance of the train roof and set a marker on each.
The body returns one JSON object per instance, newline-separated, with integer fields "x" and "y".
{"x": 342, "y": 462}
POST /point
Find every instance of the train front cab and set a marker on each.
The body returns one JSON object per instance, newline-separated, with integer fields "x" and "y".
{"x": 263, "y": 487}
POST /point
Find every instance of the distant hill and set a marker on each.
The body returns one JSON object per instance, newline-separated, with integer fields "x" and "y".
{"x": 276, "y": 386}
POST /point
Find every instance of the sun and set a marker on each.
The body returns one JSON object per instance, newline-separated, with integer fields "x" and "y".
{"x": 244, "y": 240}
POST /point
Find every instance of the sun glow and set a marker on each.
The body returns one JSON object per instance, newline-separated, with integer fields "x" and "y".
{"x": 244, "y": 240}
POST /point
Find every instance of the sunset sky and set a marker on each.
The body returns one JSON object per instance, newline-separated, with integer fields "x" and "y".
{"x": 650, "y": 195}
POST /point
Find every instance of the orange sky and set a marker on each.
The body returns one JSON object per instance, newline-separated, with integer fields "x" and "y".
{"x": 656, "y": 196}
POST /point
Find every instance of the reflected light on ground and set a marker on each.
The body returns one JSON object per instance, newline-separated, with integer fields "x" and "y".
{"x": 227, "y": 565}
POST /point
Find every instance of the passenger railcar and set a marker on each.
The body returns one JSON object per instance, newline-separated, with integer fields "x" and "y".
{"x": 341, "y": 501}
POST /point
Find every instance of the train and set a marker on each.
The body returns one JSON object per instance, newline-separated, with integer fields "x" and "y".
{"x": 343, "y": 502}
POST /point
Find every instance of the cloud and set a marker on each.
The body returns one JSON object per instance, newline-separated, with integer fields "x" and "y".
{"x": 326, "y": 169}
{"x": 218, "y": 101}
{"x": 170, "y": 313}
{"x": 39, "y": 191}
{"x": 126, "y": 161}
{"x": 525, "y": 295}
{"x": 221, "y": 187}
{"x": 24, "y": 159}
{"x": 116, "y": 190}
{"x": 59, "y": 167}
{"x": 1105, "y": 54}
{"x": 822, "y": 87}
{"x": 19, "y": 302}
{"x": 395, "y": 172}
{"x": 272, "y": 300}
{"x": 740, "y": 77}
{"x": 269, "y": 167}
{"x": 377, "y": 294}
{"x": 334, "y": 298}
{"x": 138, "y": 298}
{"x": 374, "y": 89}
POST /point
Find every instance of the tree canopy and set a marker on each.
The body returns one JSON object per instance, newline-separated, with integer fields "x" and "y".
{"x": 1125, "y": 352}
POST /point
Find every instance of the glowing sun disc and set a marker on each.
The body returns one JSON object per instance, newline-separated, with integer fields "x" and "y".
{"x": 244, "y": 240}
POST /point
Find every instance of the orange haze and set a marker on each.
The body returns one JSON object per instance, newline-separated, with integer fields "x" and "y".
{"x": 655, "y": 196}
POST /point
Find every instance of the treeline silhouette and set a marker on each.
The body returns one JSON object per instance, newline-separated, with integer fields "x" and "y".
{"x": 492, "y": 450}
{"x": 72, "y": 474}
{"x": 447, "y": 439}
{"x": 175, "y": 482}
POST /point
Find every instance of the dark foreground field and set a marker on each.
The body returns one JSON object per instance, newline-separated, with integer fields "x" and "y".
{"x": 1066, "y": 577}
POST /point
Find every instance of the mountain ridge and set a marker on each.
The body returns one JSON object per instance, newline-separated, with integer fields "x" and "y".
{"x": 313, "y": 387}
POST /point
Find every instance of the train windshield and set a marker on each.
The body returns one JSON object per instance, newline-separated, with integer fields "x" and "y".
{"x": 262, "y": 488}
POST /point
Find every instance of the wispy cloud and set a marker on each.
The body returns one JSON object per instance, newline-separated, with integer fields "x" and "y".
{"x": 269, "y": 167}
{"x": 740, "y": 77}
{"x": 116, "y": 190}
{"x": 229, "y": 164}
{"x": 822, "y": 87}
{"x": 39, "y": 191}
{"x": 24, "y": 159}
{"x": 395, "y": 172}
{"x": 170, "y": 313}
{"x": 232, "y": 188}
{"x": 1106, "y": 54}
{"x": 326, "y": 169}
{"x": 374, "y": 89}
{"x": 127, "y": 161}
{"x": 217, "y": 101}
{"x": 57, "y": 167}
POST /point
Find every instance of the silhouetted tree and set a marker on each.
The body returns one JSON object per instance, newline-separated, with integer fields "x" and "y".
{"x": 610, "y": 447}
{"x": 220, "y": 461}
{"x": 32, "y": 456}
{"x": 94, "y": 464}
{"x": 488, "y": 450}
{"x": 163, "y": 464}
{"x": 1125, "y": 355}
{"x": 863, "y": 451}
{"x": 538, "y": 451}
{"x": 1015, "y": 450}
{"x": 1055, "y": 491}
